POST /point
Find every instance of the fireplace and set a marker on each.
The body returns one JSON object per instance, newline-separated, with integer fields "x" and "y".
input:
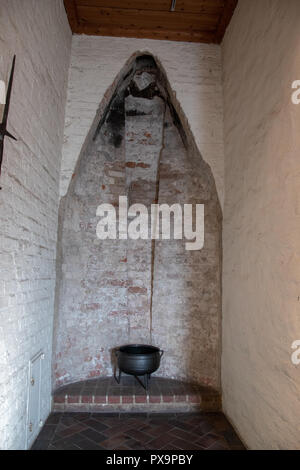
{"x": 148, "y": 291}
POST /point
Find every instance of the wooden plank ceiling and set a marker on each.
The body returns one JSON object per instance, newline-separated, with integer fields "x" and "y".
{"x": 180, "y": 20}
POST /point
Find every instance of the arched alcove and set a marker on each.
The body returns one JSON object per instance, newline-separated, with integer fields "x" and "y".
{"x": 111, "y": 292}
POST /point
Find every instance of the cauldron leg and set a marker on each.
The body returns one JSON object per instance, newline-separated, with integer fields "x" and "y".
{"x": 118, "y": 380}
{"x": 146, "y": 381}
{"x": 140, "y": 382}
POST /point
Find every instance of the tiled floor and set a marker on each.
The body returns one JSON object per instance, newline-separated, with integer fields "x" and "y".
{"x": 103, "y": 392}
{"x": 100, "y": 431}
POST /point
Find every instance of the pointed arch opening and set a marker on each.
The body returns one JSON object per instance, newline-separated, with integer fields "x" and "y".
{"x": 112, "y": 292}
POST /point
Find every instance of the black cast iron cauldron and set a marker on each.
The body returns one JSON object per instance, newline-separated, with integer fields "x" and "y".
{"x": 138, "y": 360}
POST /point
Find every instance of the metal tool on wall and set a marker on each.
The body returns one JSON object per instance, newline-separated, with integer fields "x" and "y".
{"x": 3, "y": 126}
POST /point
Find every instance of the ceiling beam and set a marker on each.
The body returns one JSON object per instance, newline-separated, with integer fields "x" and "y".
{"x": 163, "y": 34}
{"x": 229, "y": 7}
{"x": 189, "y": 6}
{"x": 71, "y": 10}
{"x": 158, "y": 5}
{"x": 192, "y": 21}
{"x": 146, "y": 19}
{"x": 199, "y": 6}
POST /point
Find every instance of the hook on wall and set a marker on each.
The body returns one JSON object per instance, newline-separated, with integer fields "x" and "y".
{"x": 3, "y": 126}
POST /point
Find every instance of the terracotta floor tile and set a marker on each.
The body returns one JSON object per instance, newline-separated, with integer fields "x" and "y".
{"x": 114, "y": 442}
{"x": 208, "y": 440}
{"x": 181, "y": 434}
{"x": 96, "y": 425}
{"x": 161, "y": 441}
{"x": 98, "y": 431}
{"x": 139, "y": 436}
{"x": 185, "y": 445}
{"x": 93, "y": 435}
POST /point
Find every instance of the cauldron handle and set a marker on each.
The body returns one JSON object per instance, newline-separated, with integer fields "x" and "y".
{"x": 161, "y": 352}
{"x": 118, "y": 380}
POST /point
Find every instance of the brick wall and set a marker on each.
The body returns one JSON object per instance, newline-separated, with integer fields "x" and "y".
{"x": 112, "y": 292}
{"x": 38, "y": 33}
{"x": 194, "y": 72}
{"x": 261, "y": 386}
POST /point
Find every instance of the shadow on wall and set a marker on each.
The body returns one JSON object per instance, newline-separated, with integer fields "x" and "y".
{"x": 112, "y": 292}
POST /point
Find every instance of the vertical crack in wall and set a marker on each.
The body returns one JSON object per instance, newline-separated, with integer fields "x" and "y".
{"x": 153, "y": 242}
{"x": 145, "y": 114}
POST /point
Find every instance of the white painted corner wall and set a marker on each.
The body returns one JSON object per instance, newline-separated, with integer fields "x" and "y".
{"x": 261, "y": 235}
{"x": 194, "y": 73}
{"x": 39, "y": 34}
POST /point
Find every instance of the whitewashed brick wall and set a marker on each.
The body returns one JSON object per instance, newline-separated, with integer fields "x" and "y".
{"x": 38, "y": 33}
{"x": 261, "y": 237}
{"x": 194, "y": 72}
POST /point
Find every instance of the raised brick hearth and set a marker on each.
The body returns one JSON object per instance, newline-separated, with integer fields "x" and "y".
{"x": 104, "y": 394}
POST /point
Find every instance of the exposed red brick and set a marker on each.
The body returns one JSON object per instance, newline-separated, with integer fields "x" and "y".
{"x": 140, "y": 399}
{"x": 180, "y": 398}
{"x": 59, "y": 399}
{"x": 73, "y": 399}
{"x": 94, "y": 373}
{"x": 168, "y": 398}
{"x": 87, "y": 399}
{"x": 142, "y": 165}
{"x": 100, "y": 399}
{"x": 154, "y": 399}
{"x": 131, "y": 164}
{"x": 194, "y": 398}
{"x": 137, "y": 290}
{"x": 118, "y": 283}
{"x": 113, "y": 399}
{"x": 127, "y": 399}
